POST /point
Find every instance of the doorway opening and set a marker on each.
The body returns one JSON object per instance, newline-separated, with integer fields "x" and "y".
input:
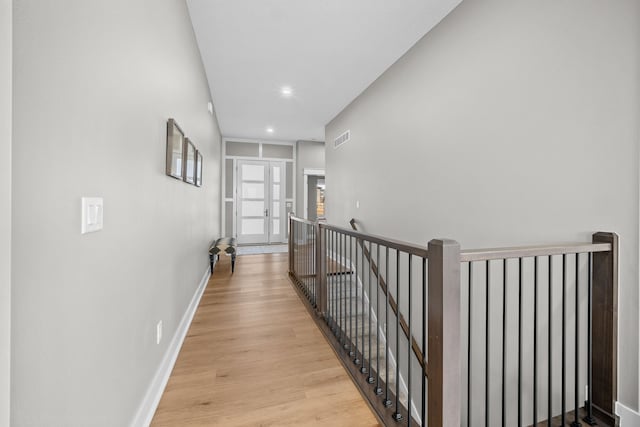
{"x": 314, "y": 186}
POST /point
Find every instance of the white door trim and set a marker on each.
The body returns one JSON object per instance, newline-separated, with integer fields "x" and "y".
{"x": 306, "y": 172}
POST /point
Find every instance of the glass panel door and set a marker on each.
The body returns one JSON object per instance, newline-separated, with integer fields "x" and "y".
{"x": 277, "y": 217}
{"x": 253, "y": 202}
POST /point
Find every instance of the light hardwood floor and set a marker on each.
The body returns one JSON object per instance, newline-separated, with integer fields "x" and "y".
{"x": 254, "y": 357}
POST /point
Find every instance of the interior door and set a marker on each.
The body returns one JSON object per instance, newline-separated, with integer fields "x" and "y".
{"x": 253, "y": 202}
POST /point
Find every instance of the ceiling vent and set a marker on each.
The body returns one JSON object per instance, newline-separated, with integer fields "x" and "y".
{"x": 342, "y": 139}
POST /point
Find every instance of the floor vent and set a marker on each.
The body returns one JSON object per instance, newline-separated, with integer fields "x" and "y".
{"x": 342, "y": 139}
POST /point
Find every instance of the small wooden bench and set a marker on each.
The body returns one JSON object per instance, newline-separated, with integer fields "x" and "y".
{"x": 224, "y": 244}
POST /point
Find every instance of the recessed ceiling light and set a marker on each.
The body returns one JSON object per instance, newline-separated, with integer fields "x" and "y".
{"x": 286, "y": 91}
{"x": 269, "y": 129}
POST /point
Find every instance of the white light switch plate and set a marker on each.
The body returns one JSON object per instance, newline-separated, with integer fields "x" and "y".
{"x": 92, "y": 214}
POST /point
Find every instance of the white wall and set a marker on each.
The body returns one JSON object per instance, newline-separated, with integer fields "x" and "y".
{"x": 309, "y": 155}
{"x": 509, "y": 123}
{"x": 5, "y": 207}
{"x": 94, "y": 85}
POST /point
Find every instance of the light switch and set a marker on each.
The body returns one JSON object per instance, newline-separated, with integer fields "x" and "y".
{"x": 92, "y": 214}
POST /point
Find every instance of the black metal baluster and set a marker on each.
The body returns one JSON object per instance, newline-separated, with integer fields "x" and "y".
{"x": 363, "y": 368}
{"x": 370, "y": 377}
{"x": 486, "y": 346}
{"x": 378, "y": 390}
{"x": 334, "y": 281}
{"x": 344, "y": 297}
{"x": 519, "y": 342}
{"x": 564, "y": 298}
{"x": 305, "y": 259}
{"x": 309, "y": 258}
{"x": 397, "y": 415}
{"x": 303, "y": 229}
{"x": 338, "y": 277}
{"x": 589, "y": 419}
{"x": 386, "y": 401}
{"x": 356, "y": 360}
{"x": 338, "y": 286}
{"x": 315, "y": 266}
{"x": 504, "y": 341}
{"x": 550, "y": 373}
{"x": 330, "y": 280}
{"x": 470, "y": 281}
{"x": 535, "y": 341}
{"x": 424, "y": 340}
{"x": 409, "y": 343}
{"x": 351, "y": 352}
{"x": 327, "y": 272}
{"x": 576, "y": 415}
{"x": 340, "y": 289}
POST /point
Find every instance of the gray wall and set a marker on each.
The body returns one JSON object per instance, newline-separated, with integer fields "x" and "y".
{"x": 5, "y": 207}
{"x": 94, "y": 85}
{"x": 309, "y": 155}
{"x": 509, "y": 123}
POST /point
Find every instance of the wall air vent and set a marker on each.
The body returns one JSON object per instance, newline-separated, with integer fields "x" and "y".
{"x": 342, "y": 139}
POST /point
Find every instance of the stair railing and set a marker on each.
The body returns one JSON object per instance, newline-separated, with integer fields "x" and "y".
{"x": 471, "y": 377}
{"x": 303, "y": 256}
{"x": 392, "y": 302}
{"x": 571, "y": 289}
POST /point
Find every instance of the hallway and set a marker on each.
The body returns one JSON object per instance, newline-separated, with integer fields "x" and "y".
{"x": 253, "y": 356}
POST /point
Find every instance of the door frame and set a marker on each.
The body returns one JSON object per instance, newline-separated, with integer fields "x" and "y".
{"x": 269, "y": 198}
{"x": 306, "y": 173}
{"x": 228, "y": 224}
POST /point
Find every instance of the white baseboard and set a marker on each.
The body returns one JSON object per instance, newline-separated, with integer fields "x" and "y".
{"x": 152, "y": 397}
{"x": 628, "y": 417}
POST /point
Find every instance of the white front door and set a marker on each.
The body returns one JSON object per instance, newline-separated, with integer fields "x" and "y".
{"x": 260, "y": 191}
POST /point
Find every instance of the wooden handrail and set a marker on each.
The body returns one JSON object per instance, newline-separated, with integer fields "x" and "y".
{"x": 531, "y": 251}
{"x": 410, "y": 248}
{"x": 302, "y": 220}
{"x": 392, "y": 303}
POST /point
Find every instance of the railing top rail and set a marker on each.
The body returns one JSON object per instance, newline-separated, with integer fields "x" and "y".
{"x": 302, "y": 220}
{"x": 531, "y": 251}
{"x": 399, "y": 245}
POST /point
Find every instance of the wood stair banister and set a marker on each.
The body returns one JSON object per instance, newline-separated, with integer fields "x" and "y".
{"x": 392, "y": 303}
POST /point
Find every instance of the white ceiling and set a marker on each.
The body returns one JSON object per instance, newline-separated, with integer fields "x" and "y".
{"x": 328, "y": 51}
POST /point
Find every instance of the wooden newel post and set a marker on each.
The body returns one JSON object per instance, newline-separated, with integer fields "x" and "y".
{"x": 444, "y": 395}
{"x": 321, "y": 270}
{"x": 604, "y": 334}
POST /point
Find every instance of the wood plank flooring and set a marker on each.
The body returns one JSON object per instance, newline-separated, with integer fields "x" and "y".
{"x": 254, "y": 357}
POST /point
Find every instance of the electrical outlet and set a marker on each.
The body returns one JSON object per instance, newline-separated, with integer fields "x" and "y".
{"x": 159, "y": 332}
